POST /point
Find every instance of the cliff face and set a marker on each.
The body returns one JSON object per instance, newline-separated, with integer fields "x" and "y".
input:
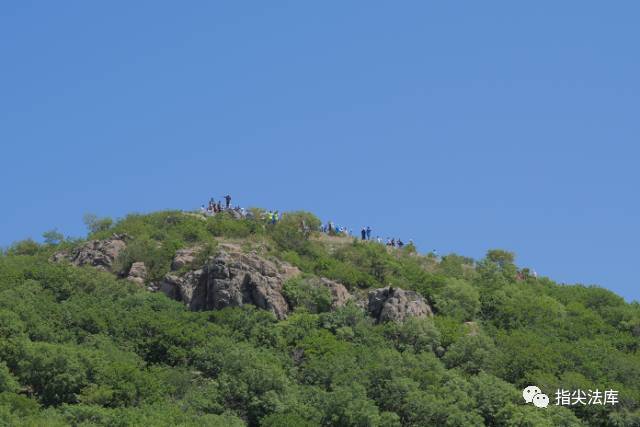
{"x": 231, "y": 279}
{"x": 100, "y": 254}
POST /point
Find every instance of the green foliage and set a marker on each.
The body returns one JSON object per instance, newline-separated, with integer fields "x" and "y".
{"x": 8, "y": 383}
{"x": 27, "y": 247}
{"x": 80, "y": 347}
{"x": 52, "y": 237}
{"x": 471, "y": 353}
{"x": 458, "y": 299}
{"x": 415, "y": 334}
{"x": 453, "y": 265}
{"x": 307, "y": 293}
{"x": 95, "y": 224}
{"x": 223, "y": 225}
{"x": 292, "y": 232}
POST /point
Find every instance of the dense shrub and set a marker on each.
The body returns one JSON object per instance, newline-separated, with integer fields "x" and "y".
{"x": 79, "y": 347}
{"x": 307, "y": 293}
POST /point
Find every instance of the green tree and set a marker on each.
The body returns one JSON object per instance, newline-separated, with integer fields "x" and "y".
{"x": 458, "y": 299}
{"x": 292, "y": 232}
{"x": 52, "y": 237}
{"x": 95, "y": 224}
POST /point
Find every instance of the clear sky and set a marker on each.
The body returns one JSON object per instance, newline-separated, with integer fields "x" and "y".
{"x": 463, "y": 125}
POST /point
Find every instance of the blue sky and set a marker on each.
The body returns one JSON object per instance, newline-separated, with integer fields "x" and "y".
{"x": 463, "y": 125}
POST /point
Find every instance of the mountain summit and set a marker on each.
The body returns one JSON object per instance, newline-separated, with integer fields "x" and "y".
{"x": 247, "y": 317}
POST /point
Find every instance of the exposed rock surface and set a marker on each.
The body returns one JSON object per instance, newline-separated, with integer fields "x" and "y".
{"x": 395, "y": 304}
{"x": 234, "y": 213}
{"x": 138, "y": 273}
{"x": 184, "y": 257}
{"x": 100, "y": 254}
{"x": 339, "y": 294}
{"x": 231, "y": 279}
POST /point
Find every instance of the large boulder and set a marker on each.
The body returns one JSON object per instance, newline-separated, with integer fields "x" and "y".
{"x": 339, "y": 294}
{"x": 184, "y": 258}
{"x": 395, "y": 304}
{"x": 138, "y": 273}
{"x": 231, "y": 279}
{"x": 100, "y": 254}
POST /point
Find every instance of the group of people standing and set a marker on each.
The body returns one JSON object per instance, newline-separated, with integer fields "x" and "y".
{"x": 274, "y": 216}
{"x": 365, "y": 234}
{"x": 215, "y": 207}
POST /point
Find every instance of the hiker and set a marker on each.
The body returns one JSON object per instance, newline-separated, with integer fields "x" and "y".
{"x": 400, "y": 243}
{"x": 219, "y": 206}
{"x": 364, "y": 233}
{"x": 227, "y": 199}
{"x": 368, "y": 233}
{"x": 274, "y": 217}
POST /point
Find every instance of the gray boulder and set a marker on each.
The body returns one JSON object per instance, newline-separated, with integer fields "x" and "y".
{"x": 138, "y": 273}
{"x": 339, "y": 294}
{"x": 395, "y": 304}
{"x": 232, "y": 279}
{"x": 100, "y": 254}
{"x": 184, "y": 257}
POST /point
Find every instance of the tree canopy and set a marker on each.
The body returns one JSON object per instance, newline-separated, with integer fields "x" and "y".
{"x": 84, "y": 347}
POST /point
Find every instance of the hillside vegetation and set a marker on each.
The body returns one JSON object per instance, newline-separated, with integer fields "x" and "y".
{"x": 84, "y": 347}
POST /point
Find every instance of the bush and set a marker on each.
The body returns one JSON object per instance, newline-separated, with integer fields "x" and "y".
{"x": 471, "y": 353}
{"x": 458, "y": 299}
{"x": 292, "y": 232}
{"x": 24, "y": 247}
{"x": 415, "y": 334}
{"x": 7, "y": 381}
{"x": 307, "y": 293}
{"x": 95, "y": 224}
{"x": 223, "y": 225}
{"x": 52, "y": 237}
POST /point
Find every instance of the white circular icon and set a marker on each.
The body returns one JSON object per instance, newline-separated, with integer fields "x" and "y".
{"x": 529, "y": 392}
{"x": 540, "y": 400}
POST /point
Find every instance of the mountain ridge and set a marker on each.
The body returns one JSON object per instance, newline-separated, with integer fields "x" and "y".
{"x": 289, "y": 330}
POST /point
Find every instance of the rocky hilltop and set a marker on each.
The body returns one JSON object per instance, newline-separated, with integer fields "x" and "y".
{"x": 233, "y": 278}
{"x": 175, "y": 318}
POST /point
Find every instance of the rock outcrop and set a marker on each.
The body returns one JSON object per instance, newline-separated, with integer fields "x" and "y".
{"x": 231, "y": 279}
{"x": 100, "y": 254}
{"x": 138, "y": 273}
{"x": 395, "y": 304}
{"x": 184, "y": 258}
{"x": 339, "y": 294}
